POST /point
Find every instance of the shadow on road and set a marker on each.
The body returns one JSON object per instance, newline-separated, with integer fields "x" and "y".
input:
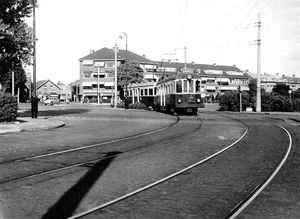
{"x": 55, "y": 112}
{"x": 69, "y": 202}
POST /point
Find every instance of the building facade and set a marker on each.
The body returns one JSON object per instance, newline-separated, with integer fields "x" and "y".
{"x": 97, "y": 72}
{"x": 46, "y": 88}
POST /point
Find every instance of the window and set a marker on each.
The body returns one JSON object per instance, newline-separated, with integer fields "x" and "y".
{"x": 151, "y": 91}
{"x": 198, "y": 83}
{"x": 185, "y": 89}
{"x": 178, "y": 86}
{"x": 142, "y": 92}
{"x": 146, "y": 92}
{"x": 191, "y": 86}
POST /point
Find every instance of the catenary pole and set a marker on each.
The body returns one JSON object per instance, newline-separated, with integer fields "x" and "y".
{"x": 116, "y": 74}
{"x": 34, "y": 101}
{"x": 258, "y": 93}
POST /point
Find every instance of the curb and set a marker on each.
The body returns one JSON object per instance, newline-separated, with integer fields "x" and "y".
{"x": 28, "y": 125}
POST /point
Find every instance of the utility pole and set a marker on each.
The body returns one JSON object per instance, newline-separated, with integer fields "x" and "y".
{"x": 116, "y": 75}
{"x": 258, "y": 92}
{"x": 98, "y": 84}
{"x": 34, "y": 101}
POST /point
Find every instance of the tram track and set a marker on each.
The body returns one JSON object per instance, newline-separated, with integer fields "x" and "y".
{"x": 233, "y": 213}
{"x": 160, "y": 181}
{"x": 103, "y": 154}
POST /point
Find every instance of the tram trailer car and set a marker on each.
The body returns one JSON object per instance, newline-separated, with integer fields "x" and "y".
{"x": 144, "y": 93}
{"x": 179, "y": 93}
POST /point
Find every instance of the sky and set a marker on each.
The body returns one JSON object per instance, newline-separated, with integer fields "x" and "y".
{"x": 212, "y": 31}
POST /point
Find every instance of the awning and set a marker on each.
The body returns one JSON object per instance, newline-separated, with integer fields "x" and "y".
{"x": 95, "y": 82}
{"x": 228, "y": 88}
{"x": 244, "y": 88}
{"x": 87, "y": 83}
{"x": 210, "y": 88}
{"x": 223, "y": 80}
{"x": 109, "y": 84}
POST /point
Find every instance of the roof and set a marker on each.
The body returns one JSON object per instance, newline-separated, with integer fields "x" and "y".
{"x": 42, "y": 82}
{"x": 109, "y": 54}
{"x": 198, "y": 66}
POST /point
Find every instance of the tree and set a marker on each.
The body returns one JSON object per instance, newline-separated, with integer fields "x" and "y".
{"x": 134, "y": 73}
{"x": 281, "y": 89}
{"x": 16, "y": 41}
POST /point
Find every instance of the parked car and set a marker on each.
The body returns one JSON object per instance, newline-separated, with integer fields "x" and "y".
{"x": 51, "y": 101}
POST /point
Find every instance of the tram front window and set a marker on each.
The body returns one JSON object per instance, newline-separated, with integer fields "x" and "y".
{"x": 178, "y": 86}
{"x": 185, "y": 89}
{"x": 191, "y": 86}
{"x": 198, "y": 84}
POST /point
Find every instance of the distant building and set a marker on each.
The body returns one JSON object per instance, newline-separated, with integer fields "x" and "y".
{"x": 65, "y": 92}
{"x": 268, "y": 81}
{"x": 46, "y": 88}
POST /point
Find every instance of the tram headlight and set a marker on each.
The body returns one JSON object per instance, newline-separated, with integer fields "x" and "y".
{"x": 198, "y": 100}
{"x": 179, "y": 100}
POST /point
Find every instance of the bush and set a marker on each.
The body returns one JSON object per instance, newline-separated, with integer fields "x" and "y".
{"x": 137, "y": 105}
{"x": 8, "y": 108}
{"x": 121, "y": 105}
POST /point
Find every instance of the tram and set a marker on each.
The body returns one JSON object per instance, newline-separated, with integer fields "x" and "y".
{"x": 144, "y": 93}
{"x": 179, "y": 93}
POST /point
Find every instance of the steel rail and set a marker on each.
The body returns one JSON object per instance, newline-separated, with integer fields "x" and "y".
{"x": 243, "y": 204}
{"x": 98, "y": 159}
{"x": 159, "y": 181}
{"x": 91, "y": 146}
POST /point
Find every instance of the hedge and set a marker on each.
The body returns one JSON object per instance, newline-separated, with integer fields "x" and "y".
{"x": 8, "y": 108}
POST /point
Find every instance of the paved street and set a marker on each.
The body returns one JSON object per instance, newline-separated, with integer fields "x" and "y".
{"x": 133, "y": 162}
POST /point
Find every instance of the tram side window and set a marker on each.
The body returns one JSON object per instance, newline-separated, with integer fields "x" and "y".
{"x": 178, "y": 86}
{"x": 151, "y": 91}
{"x": 185, "y": 86}
{"x": 198, "y": 88}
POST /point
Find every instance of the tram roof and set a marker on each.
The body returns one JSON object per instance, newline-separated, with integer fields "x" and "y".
{"x": 179, "y": 76}
{"x": 144, "y": 84}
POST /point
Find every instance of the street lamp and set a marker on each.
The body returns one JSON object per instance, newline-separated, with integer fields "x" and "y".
{"x": 126, "y": 103}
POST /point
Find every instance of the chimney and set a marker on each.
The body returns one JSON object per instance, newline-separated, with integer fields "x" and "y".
{"x": 91, "y": 51}
{"x": 214, "y": 64}
{"x": 293, "y": 75}
{"x": 234, "y": 65}
{"x": 144, "y": 55}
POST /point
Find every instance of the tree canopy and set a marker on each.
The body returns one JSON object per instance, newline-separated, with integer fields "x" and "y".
{"x": 16, "y": 41}
{"x": 134, "y": 73}
{"x": 281, "y": 89}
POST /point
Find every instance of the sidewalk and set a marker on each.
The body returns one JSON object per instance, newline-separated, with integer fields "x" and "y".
{"x": 28, "y": 124}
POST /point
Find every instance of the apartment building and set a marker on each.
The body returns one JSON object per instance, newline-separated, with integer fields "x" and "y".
{"x": 97, "y": 70}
